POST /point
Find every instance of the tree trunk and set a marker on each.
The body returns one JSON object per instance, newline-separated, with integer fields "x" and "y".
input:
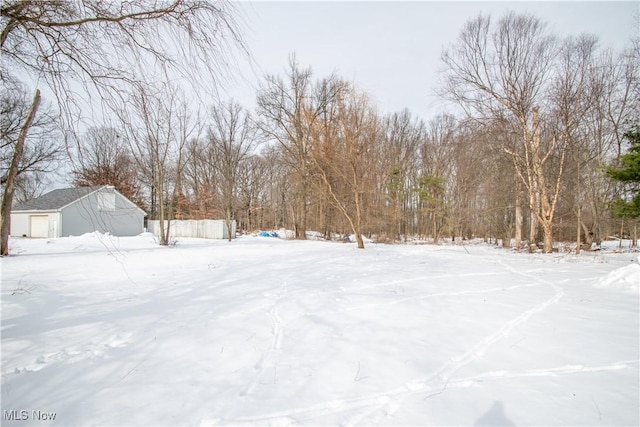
{"x": 506, "y": 238}
{"x": 397, "y": 219}
{"x": 229, "y": 229}
{"x": 164, "y": 233}
{"x": 547, "y": 229}
{"x": 588, "y": 234}
{"x": 548, "y": 237}
{"x": 228, "y": 223}
{"x": 301, "y": 217}
{"x": 621, "y": 233}
{"x": 578, "y": 230}
{"x": 579, "y": 212}
{"x": 165, "y": 216}
{"x": 7, "y": 198}
{"x": 168, "y": 233}
{"x": 358, "y": 230}
{"x": 533, "y": 229}
{"x": 519, "y": 218}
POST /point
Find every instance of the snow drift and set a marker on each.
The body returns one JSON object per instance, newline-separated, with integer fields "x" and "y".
{"x": 625, "y": 279}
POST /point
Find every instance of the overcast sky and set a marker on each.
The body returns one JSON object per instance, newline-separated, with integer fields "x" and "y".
{"x": 392, "y": 49}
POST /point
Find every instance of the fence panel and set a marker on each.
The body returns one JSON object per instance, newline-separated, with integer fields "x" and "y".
{"x": 204, "y": 229}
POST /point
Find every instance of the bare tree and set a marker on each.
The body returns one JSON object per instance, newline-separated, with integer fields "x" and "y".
{"x": 343, "y": 151}
{"x": 200, "y": 179}
{"x": 278, "y": 197}
{"x": 501, "y": 73}
{"x": 476, "y": 187}
{"x": 9, "y": 189}
{"x": 105, "y": 159}
{"x": 287, "y": 110}
{"x": 570, "y": 100}
{"x": 42, "y": 148}
{"x": 232, "y": 134}
{"x": 28, "y": 148}
{"x": 253, "y": 191}
{"x": 157, "y": 126}
{"x": 402, "y": 135}
{"x": 436, "y": 173}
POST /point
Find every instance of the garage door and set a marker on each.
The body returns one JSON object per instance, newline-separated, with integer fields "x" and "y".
{"x": 39, "y": 226}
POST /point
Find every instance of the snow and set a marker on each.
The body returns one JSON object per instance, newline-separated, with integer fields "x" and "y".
{"x": 99, "y": 330}
{"x": 626, "y": 279}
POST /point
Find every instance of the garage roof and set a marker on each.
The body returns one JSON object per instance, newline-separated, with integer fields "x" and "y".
{"x": 56, "y": 199}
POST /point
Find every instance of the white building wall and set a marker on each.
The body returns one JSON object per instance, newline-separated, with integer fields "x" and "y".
{"x": 55, "y": 224}
{"x": 21, "y": 223}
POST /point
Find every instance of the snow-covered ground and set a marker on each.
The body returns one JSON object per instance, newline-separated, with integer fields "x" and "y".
{"x": 98, "y": 330}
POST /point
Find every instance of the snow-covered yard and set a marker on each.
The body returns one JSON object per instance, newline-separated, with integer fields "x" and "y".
{"x": 104, "y": 331}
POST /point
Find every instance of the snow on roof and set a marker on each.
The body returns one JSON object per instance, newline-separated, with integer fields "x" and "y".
{"x": 56, "y": 199}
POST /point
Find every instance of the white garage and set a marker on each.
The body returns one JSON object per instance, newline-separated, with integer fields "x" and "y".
{"x": 75, "y": 211}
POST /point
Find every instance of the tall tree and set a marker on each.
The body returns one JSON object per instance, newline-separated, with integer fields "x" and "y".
{"x": 9, "y": 189}
{"x": 628, "y": 172}
{"x": 253, "y": 192}
{"x": 42, "y": 148}
{"x": 436, "y": 172}
{"x": 232, "y": 135}
{"x": 288, "y": 109}
{"x": 200, "y": 179}
{"x": 571, "y": 97}
{"x": 343, "y": 152}
{"x": 500, "y": 73}
{"x": 281, "y": 106}
{"x": 401, "y": 137}
{"x": 157, "y": 126}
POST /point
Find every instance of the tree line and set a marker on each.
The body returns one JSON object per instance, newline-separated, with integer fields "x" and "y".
{"x": 529, "y": 158}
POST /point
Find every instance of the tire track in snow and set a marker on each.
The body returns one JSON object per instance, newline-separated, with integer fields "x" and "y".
{"x": 449, "y": 368}
{"x": 396, "y": 282}
{"x": 277, "y": 330}
{"x": 550, "y": 372}
{"x": 478, "y": 350}
{"x": 387, "y": 405}
{"x": 441, "y": 294}
{"x": 440, "y": 379}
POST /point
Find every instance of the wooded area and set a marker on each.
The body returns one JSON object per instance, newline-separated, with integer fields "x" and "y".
{"x": 542, "y": 117}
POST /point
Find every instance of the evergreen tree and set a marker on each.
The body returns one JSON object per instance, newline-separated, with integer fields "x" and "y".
{"x": 628, "y": 172}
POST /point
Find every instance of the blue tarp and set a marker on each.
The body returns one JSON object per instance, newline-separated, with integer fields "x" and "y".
{"x": 268, "y": 234}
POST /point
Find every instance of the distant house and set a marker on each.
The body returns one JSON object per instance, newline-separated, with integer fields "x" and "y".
{"x": 75, "y": 211}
